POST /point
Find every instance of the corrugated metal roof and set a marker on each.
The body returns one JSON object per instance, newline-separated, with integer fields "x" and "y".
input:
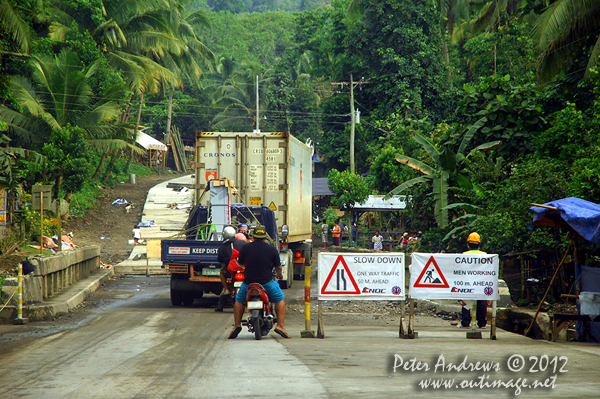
{"x": 320, "y": 188}
{"x": 149, "y": 142}
{"x": 377, "y": 203}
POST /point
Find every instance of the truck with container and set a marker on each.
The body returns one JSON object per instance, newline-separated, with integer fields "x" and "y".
{"x": 254, "y": 179}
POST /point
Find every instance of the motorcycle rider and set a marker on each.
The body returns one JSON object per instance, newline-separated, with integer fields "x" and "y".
{"x": 259, "y": 258}
{"x": 223, "y": 257}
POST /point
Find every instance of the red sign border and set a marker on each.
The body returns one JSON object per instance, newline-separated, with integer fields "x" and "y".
{"x": 418, "y": 283}
{"x": 339, "y": 259}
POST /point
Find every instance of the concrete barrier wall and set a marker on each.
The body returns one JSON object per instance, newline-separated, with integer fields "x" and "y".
{"x": 53, "y": 273}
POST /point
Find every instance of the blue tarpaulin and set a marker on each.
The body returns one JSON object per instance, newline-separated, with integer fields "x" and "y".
{"x": 580, "y": 215}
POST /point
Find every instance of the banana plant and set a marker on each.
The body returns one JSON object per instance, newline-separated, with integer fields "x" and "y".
{"x": 464, "y": 222}
{"x": 446, "y": 164}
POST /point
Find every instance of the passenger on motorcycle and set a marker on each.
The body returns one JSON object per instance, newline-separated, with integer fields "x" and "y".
{"x": 230, "y": 243}
{"x": 259, "y": 258}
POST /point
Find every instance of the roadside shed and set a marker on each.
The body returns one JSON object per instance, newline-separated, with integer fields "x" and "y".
{"x": 582, "y": 219}
{"x": 156, "y": 151}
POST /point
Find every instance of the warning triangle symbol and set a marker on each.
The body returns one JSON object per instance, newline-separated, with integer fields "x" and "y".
{"x": 431, "y": 276}
{"x": 343, "y": 283}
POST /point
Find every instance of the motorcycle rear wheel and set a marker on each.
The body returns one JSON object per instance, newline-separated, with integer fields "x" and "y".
{"x": 257, "y": 328}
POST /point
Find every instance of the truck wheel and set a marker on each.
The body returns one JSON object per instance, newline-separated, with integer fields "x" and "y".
{"x": 188, "y": 299}
{"x": 176, "y": 297}
{"x": 287, "y": 283}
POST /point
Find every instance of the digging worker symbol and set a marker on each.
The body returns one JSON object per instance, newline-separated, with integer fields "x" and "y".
{"x": 428, "y": 276}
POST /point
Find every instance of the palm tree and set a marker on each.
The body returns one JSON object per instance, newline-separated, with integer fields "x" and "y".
{"x": 12, "y": 23}
{"x": 563, "y": 30}
{"x": 446, "y": 163}
{"x": 489, "y": 14}
{"x": 237, "y": 97}
{"x": 61, "y": 96}
{"x": 451, "y": 13}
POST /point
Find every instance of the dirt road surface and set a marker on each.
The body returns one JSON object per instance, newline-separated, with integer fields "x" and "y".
{"x": 110, "y": 225}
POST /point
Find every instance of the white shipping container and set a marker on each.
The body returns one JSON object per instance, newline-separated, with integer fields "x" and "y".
{"x": 270, "y": 169}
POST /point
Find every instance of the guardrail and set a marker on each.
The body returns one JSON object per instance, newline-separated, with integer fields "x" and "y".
{"x": 54, "y": 273}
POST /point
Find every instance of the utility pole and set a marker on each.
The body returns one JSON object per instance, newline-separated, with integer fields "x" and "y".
{"x": 352, "y": 125}
{"x": 353, "y": 116}
{"x": 257, "y": 108}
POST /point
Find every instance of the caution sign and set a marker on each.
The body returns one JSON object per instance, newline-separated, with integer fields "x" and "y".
{"x": 454, "y": 276}
{"x": 255, "y": 201}
{"x": 272, "y": 206}
{"x": 359, "y": 276}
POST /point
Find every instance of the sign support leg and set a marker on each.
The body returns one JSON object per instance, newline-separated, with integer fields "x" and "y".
{"x": 493, "y": 323}
{"x": 402, "y": 331}
{"x": 411, "y": 319}
{"x": 320, "y": 327}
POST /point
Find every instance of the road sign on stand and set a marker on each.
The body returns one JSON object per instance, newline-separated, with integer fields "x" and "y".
{"x": 361, "y": 276}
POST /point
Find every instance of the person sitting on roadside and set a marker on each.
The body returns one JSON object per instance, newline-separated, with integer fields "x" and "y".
{"x": 225, "y": 252}
{"x": 258, "y": 259}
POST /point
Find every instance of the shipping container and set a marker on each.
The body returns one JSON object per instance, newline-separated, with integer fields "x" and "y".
{"x": 269, "y": 169}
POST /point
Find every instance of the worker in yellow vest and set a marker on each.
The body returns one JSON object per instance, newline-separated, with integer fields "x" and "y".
{"x": 473, "y": 242}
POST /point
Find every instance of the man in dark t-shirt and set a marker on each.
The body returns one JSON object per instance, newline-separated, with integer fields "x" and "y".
{"x": 259, "y": 259}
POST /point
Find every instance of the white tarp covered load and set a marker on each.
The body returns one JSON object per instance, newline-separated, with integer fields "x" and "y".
{"x": 149, "y": 142}
{"x": 361, "y": 276}
{"x": 454, "y": 276}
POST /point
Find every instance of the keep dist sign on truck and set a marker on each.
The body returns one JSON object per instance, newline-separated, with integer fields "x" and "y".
{"x": 454, "y": 276}
{"x": 361, "y": 276}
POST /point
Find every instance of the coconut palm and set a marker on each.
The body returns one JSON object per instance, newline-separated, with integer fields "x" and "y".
{"x": 488, "y": 16}
{"x": 237, "y": 97}
{"x": 12, "y": 23}
{"x": 130, "y": 31}
{"x": 59, "y": 96}
{"x": 451, "y": 13}
{"x": 563, "y": 30}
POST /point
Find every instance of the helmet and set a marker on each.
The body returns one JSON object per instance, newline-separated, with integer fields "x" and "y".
{"x": 228, "y": 232}
{"x": 243, "y": 228}
{"x": 259, "y": 232}
{"x": 474, "y": 238}
{"x": 241, "y": 236}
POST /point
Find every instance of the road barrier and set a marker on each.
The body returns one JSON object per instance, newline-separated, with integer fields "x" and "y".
{"x": 307, "y": 333}
{"x": 20, "y": 320}
{"x": 380, "y": 276}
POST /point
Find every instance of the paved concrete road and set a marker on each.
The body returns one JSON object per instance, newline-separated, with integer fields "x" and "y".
{"x": 138, "y": 346}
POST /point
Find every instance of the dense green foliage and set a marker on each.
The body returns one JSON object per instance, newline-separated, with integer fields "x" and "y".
{"x": 348, "y": 188}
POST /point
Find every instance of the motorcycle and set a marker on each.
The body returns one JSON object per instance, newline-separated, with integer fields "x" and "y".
{"x": 260, "y": 321}
{"x": 237, "y": 280}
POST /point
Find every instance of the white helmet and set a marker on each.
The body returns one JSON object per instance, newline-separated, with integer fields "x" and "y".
{"x": 228, "y": 232}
